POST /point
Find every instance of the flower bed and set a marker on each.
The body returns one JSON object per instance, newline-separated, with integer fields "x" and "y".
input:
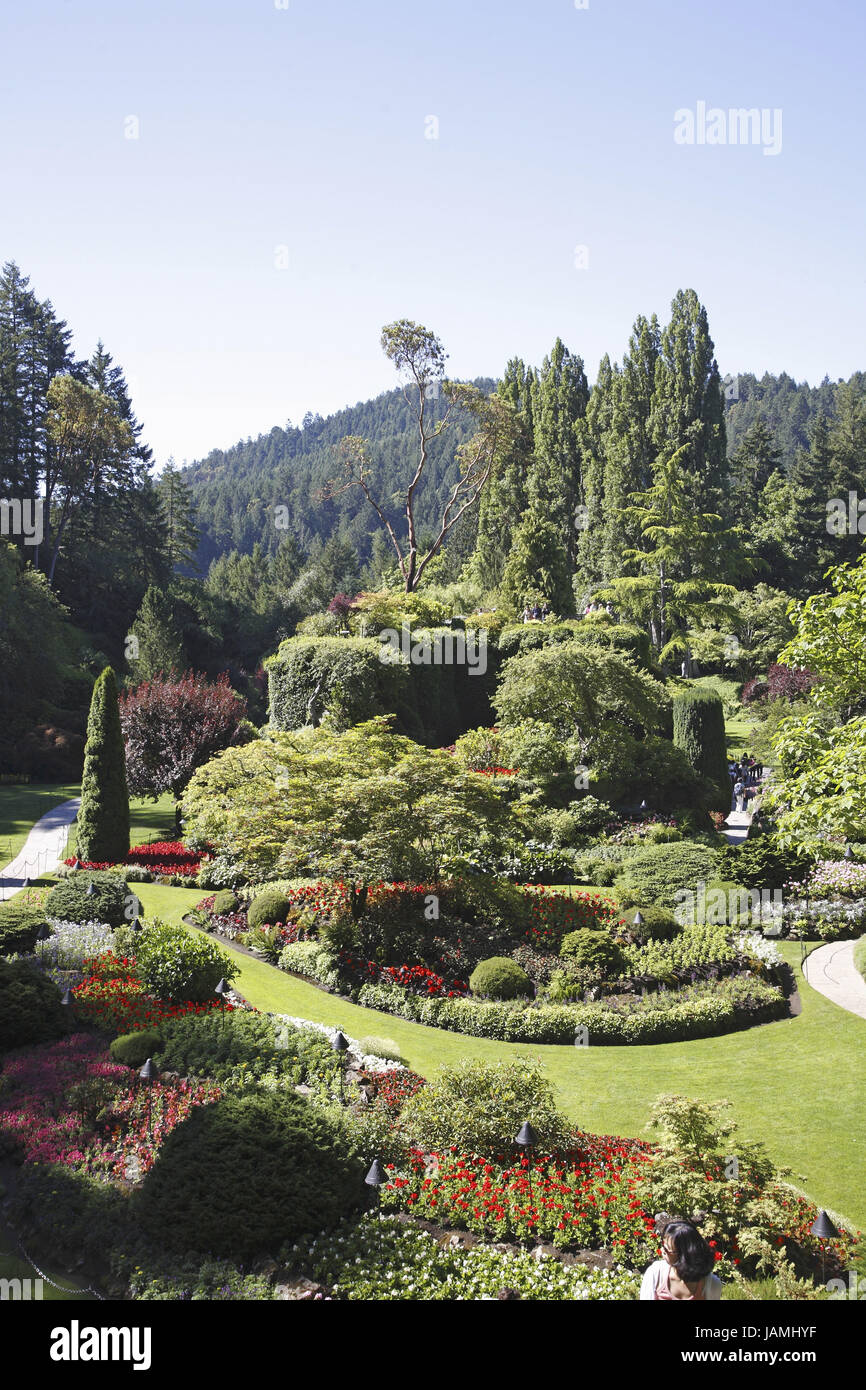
{"x": 114, "y": 998}
{"x": 839, "y": 877}
{"x": 390, "y": 1259}
{"x": 161, "y": 859}
{"x": 68, "y": 1103}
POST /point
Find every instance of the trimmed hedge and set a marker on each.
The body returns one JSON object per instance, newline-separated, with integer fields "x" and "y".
{"x": 699, "y": 730}
{"x": 697, "y": 1011}
{"x": 243, "y": 1044}
{"x": 344, "y": 675}
{"x": 700, "y": 1011}
{"x": 133, "y": 1049}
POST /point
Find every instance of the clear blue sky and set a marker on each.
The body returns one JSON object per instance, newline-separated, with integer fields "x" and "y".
{"x": 304, "y": 128}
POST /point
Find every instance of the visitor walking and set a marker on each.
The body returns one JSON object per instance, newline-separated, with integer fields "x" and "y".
{"x": 685, "y": 1271}
{"x": 739, "y": 790}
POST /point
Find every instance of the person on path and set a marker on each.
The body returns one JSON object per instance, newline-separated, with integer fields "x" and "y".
{"x": 739, "y": 789}
{"x": 685, "y": 1271}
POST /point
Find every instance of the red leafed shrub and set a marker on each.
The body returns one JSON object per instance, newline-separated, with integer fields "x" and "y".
{"x": 341, "y": 605}
{"x": 754, "y": 691}
{"x": 784, "y": 683}
{"x": 171, "y": 727}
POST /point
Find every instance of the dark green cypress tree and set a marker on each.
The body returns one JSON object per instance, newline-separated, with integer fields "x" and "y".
{"x": 699, "y": 730}
{"x": 103, "y": 821}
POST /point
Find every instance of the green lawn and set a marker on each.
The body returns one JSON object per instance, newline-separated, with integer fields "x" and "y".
{"x": 796, "y": 1084}
{"x": 22, "y": 806}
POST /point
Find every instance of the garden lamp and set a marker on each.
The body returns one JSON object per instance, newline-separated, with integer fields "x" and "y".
{"x": 638, "y": 919}
{"x": 136, "y": 926}
{"x": 42, "y": 936}
{"x": 376, "y": 1178}
{"x": 340, "y": 1045}
{"x": 823, "y": 1228}
{"x": 25, "y": 883}
{"x": 849, "y": 853}
{"x": 643, "y": 806}
{"x": 526, "y": 1139}
{"x": 90, "y": 890}
{"x": 67, "y": 997}
{"x": 222, "y": 990}
{"x": 149, "y": 1074}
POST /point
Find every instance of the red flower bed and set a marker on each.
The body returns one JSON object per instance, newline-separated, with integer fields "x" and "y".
{"x": 114, "y": 998}
{"x": 68, "y": 1103}
{"x": 163, "y": 858}
{"x": 391, "y": 1089}
{"x": 557, "y": 914}
{"x": 415, "y": 978}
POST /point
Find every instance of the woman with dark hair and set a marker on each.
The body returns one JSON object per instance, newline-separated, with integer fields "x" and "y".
{"x": 686, "y": 1269}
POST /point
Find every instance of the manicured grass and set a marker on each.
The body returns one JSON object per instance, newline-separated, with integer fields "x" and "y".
{"x": 148, "y": 820}
{"x": 795, "y": 1084}
{"x": 22, "y": 806}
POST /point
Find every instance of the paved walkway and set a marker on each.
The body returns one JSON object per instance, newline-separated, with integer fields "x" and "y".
{"x": 43, "y": 849}
{"x": 736, "y": 827}
{"x": 832, "y": 972}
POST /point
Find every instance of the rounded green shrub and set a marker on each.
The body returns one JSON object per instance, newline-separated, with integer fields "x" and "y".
{"x": 180, "y": 964}
{"x": 594, "y": 952}
{"x": 659, "y": 872}
{"x": 19, "y": 923}
{"x": 133, "y": 1049}
{"x": 225, "y": 901}
{"x": 267, "y": 909}
{"x": 30, "y": 1007}
{"x": 480, "y": 1106}
{"x": 659, "y": 924}
{"x": 243, "y": 1176}
{"x": 242, "y": 1043}
{"x": 69, "y": 901}
{"x": 500, "y": 978}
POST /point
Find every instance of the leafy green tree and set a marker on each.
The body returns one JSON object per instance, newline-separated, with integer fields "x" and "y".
{"x": 366, "y": 804}
{"x": 103, "y": 820}
{"x": 579, "y": 690}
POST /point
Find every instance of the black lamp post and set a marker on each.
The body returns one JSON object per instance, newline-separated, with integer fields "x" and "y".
{"x": 42, "y": 936}
{"x": 136, "y": 926}
{"x": 340, "y": 1044}
{"x": 643, "y": 807}
{"x": 149, "y": 1074}
{"x": 90, "y": 889}
{"x": 638, "y": 919}
{"x": 527, "y": 1139}
{"x": 823, "y": 1228}
{"x": 849, "y": 853}
{"x": 25, "y": 881}
{"x": 376, "y": 1178}
{"x": 222, "y": 990}
{"x": 66, "y": 998}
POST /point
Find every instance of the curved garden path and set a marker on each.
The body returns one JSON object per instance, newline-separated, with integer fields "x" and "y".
{"x": 831, "y": 970}
{"x": 43, "y": 849}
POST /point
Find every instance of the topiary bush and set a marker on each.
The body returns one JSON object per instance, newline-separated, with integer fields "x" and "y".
{"x": 659, "y": 924}
{"x": 30, "y": 1007}
{"x": 133, "y": 1049}
{"x": 699, "y": 730}
{"x": 69, "y": 901}
{"x": 247, "y": 1174}
{"x": 178, "y": 964}
{"x": 102, "y": 829}
{"x": 594, "y": 952}
{"x": 225, "y": 901}
{"x": 267, "y": 909}
{"x": 480, "y": 1106}
{"x": 19, "y": 923}
{"x": 499, "y": 978}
